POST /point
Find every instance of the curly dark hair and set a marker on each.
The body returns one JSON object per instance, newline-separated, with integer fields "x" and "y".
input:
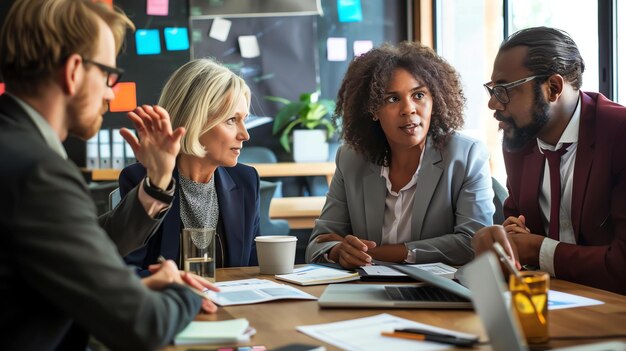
{"x": 362, "y": 91}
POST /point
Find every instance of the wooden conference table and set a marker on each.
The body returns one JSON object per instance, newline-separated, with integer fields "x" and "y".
{"x": 281, "y": 169}
{"x": 276, "y": 321}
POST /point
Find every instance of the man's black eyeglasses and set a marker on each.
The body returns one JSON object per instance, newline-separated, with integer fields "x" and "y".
{"x": 501, "y": 91}
{"x": 113, "y": 74}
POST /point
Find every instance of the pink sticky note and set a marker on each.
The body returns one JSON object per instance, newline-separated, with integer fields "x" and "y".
{"x": 157, "y": 7}
{"x": 1, "y": 88}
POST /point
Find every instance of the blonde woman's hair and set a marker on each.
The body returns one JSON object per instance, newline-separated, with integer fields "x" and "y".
{"x": 198, "y": 96}
{"x": 39, "y": 35}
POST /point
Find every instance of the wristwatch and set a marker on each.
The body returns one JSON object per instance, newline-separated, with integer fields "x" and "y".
{"x": 165, "y": 196}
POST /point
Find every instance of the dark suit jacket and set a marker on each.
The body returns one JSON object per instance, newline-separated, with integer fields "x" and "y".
{"x": 598, "y": 200}
{"x": 238, "y": 196}
{"x": 58, "y": 266}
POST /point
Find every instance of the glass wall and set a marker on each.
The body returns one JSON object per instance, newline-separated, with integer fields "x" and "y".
{"x": 579, "y": 18}
{"x": 468, "y": 35}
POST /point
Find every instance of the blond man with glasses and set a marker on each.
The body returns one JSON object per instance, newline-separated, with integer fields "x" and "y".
{"x": 61, "y": 268}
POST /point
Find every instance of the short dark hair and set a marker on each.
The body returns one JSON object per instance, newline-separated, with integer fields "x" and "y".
{"x": 363, "y": 88}
{"x": 550, "y": 51}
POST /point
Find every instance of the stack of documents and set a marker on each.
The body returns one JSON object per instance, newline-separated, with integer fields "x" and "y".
{"x": 222, "y": 332}
{"x": 314, "y": 274}
{"x": 383, "y": 273}
{"x": 247, "y": 291}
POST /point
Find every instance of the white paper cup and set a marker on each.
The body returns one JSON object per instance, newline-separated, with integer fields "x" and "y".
{"x": 276, "y": 253}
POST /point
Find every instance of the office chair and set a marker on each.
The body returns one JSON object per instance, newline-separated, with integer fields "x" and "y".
{"x": 261, "y": 154}
{"x": 499, "y": 195}
{"x": 270, "y": 226}
{"x": 99, "y": 192}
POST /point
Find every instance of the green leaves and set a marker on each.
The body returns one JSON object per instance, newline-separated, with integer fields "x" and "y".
{"x": 308, "y": 112}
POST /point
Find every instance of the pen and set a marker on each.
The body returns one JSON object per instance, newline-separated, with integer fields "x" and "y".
{"x": 422, "y": 335}
{"x": 162, "y": 259}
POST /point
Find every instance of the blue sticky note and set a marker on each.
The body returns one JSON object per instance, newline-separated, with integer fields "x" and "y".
{"x": 148, "y": 42}
{"x": 176, "y": 38}
{"x": 349, "y": 10}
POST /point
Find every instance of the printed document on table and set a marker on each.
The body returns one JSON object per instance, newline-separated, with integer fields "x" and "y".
{"x": 364, "y": 334}
{"x": 559, "y": 300}
{"x": 248, "y": 291}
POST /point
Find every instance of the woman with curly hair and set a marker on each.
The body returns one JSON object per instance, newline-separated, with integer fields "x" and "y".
{"x": 408, "y": 187}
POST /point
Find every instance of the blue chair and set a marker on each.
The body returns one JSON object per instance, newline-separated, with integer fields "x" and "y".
{"x": 261, "y": 154}
{"x": 270, "y": 226}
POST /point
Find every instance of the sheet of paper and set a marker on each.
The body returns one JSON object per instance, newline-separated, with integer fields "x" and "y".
{"x": 364, "y": 334}
{"x": 362, "y": 46}
{"x": 337, "y": 49}
{"x": 559, "y": 300}
{"x": 157, "y": 7}
{"x": 125, "y": 97}
{"x": 249, "y": 46}
{"x": 220, "y": 29}
{"x": 248, "y": 291}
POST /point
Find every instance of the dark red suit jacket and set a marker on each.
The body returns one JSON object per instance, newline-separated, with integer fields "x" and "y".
{"x": 598, "y": 200}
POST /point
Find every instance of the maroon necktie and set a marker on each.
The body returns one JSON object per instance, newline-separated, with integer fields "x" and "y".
{"x": 554, "y": 162}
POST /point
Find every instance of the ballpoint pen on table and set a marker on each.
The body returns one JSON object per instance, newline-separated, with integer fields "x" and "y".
{"x": 162, "y": 259}
{"x": 427, "y": 335}
{"x": 507, "y": 263}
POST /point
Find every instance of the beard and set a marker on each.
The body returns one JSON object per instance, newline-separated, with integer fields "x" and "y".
{"x": 521, "y": 135}
{"x": 80, "y": 122}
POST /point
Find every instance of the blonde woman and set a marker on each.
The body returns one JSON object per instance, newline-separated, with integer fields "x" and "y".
{"x": 213, "y": 190}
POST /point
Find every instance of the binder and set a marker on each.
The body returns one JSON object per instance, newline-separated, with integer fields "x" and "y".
{"x": 129, "y": 154}
{"x": 92, "y": 158}
{"x": 117, "y": 150}
{"x": 105, "y": 148}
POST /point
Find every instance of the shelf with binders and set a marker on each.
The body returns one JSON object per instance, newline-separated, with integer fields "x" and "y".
{"x": 107, "y": 154}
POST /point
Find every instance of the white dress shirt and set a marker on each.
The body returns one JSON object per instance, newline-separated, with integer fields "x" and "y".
{"x": 568, "y": 160}
{"x": 399, "y": 211}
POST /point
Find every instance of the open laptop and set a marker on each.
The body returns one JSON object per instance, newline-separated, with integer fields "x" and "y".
{"x": 437, "y": 292}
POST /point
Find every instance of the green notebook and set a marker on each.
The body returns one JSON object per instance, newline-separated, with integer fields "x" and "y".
{"x": 220, "y": 332}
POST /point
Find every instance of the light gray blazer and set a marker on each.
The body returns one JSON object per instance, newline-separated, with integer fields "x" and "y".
{"x": 454, "y": 198}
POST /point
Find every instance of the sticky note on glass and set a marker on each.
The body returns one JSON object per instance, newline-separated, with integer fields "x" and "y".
{"x": 2, "y": 88}
{"x": 125, "y": 97}
{"x": 107, "y": 2}
{"x": 337, "y": 49}
{"x": 249, "y": 46}
{"x": 362, "y": 46}
{"x": 176, "y": 38}
{"x": 220, "y": 29}
{"x": 148, "y": 42}
{"x": 349, "y": 10}
{"x": 157, "y": 7}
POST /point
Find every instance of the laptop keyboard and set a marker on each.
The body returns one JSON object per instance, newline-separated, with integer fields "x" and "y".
{"x": 421, "y": 293}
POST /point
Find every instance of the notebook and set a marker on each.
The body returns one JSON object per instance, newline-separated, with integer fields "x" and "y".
{"x": 435, "y": 292}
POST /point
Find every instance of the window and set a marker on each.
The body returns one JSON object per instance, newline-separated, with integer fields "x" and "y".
{"x": 579, "y": 18}
{"x": 469, "y": 33}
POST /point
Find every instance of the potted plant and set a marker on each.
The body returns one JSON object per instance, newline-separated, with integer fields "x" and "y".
{"x": 309, "y": 112}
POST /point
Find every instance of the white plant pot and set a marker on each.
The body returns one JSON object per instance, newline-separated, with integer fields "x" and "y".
{"x": 310, "y": 145}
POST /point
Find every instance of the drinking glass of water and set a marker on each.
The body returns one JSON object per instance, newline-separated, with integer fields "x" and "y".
{"x": 199, "y": 252}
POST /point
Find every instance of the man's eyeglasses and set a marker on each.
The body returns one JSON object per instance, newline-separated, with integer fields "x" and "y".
{"x": 113, "y": 74}
{"x": 501, "y": 91}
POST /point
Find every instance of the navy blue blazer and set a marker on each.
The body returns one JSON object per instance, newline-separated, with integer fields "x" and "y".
{"x": 238, "y": 196}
